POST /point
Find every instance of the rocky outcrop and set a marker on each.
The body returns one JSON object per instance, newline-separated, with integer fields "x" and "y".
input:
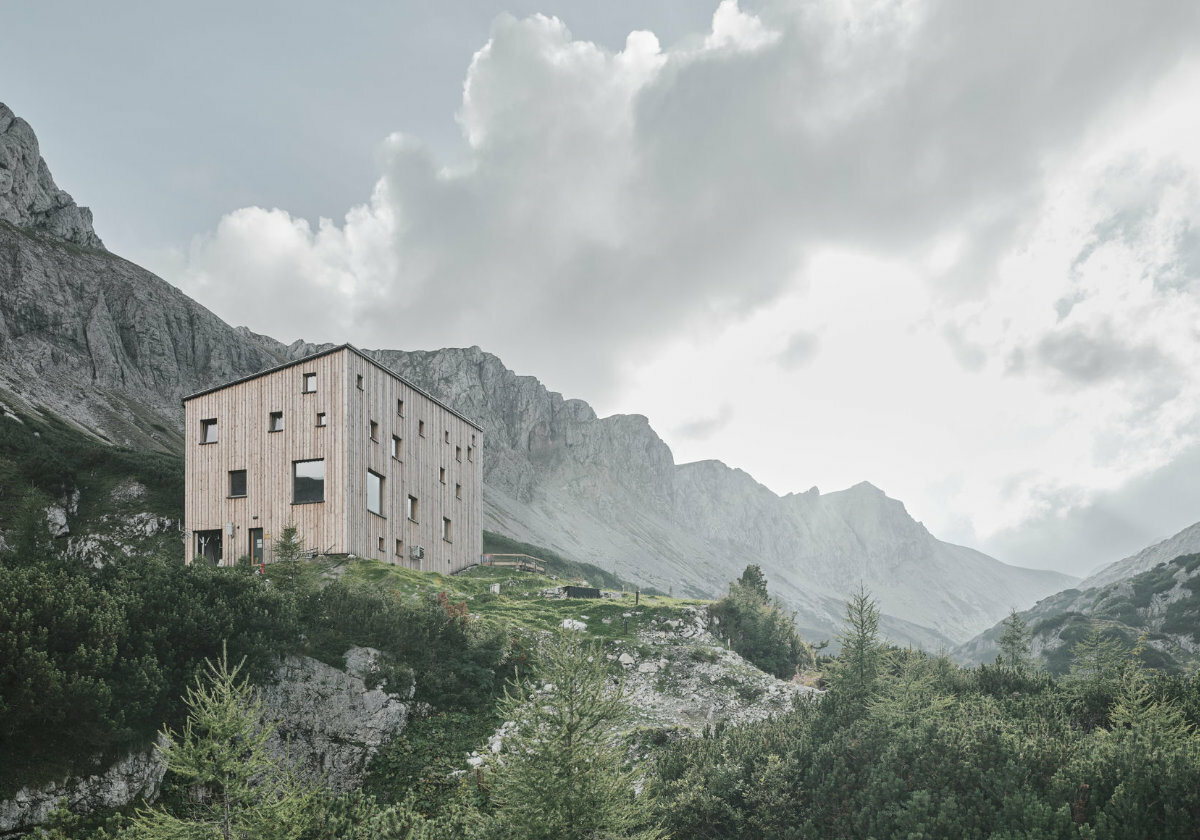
{"x": 328, "y": 722}
{"x": 29, "y": 198}
{"x": 137, "y": 776}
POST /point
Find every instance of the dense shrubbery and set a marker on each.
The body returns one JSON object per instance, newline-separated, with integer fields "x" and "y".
{"x": 758, "y": 628}
{"x": 908, "y": 745}
{"x": 93, "y": 661}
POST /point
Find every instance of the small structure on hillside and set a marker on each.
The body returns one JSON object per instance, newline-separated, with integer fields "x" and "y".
{"x": 360, "y": 460}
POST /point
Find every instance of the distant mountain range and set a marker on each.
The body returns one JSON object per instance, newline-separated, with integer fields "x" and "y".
{"x": 100, "y": 341}
{"x": 1153, "y": 595}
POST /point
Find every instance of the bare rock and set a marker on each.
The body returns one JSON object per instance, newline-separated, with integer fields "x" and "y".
{"x": 29, "y": 198}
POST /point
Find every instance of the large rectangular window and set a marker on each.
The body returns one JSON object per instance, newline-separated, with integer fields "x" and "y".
{"x": 208, "y": 430}
{"x": 275, "y": 424}
{"x": 375, "y": 492}
{"x": 411, "y": 510}
{"x": 308, "y": 481}
{"x": 237, "y": 482}
{"x": 310, "y": 383}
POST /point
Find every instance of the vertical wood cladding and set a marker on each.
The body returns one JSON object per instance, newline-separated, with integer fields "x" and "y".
{"x": 341, "y": 524}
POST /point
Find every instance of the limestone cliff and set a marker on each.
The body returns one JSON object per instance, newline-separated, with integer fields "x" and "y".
{"x": 29, "y": 198}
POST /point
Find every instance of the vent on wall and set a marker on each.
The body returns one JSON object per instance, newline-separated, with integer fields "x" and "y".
{"x": 416, "y": 552}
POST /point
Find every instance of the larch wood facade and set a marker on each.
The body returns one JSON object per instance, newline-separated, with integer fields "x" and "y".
{"x": 373, "y": 421}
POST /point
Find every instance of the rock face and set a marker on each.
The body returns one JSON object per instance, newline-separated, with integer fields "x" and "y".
{"x": 328, "y": 722}
{"x": 134, "y": 777}
{"x": 29, "y": 197}
{"x": 102, "y": 342}
{"x": 1186, "y": 541}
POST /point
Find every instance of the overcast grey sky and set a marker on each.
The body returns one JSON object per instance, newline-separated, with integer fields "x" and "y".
{"x": 949, "y": 248}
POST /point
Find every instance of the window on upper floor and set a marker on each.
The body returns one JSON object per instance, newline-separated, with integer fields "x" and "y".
{"x": 400, "y": 407}
{"x": 208, "y": 430}
{"x": 399, "y": 548}
{"x": 421, "y": 428}
{"x": 447, "y": 530}
{"x": 446, "y": 435}
{"x": 470, "y": 453}
{"x": 309, "y": 383}
{"x": 375, "y": 492}
{"x": 458, "y": 453}
{"x": 308, "y": 481}
{"x": 358, "y": 382}
{"x": 442, "y": 474}
{"x": 458, "y": 491}
{"x": 237, "y": 483}
{"x": 396, "y": 447}
{"x": 320, "y": 418}
{"x": 411, "y": 508}
{"x": 374, "y": 431}
{"x": 275, "y": 423}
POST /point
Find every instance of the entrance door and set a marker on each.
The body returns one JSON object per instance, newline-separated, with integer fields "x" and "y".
{"x": 256, "y": 546}
{"x": 208, "y": 545}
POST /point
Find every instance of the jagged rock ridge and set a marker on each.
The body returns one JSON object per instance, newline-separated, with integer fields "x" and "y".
{"x": 29, "y": 198}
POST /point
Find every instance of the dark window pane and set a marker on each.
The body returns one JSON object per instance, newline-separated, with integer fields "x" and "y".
{"x": 237, "y": 482}
{"x": 308, "y": 481}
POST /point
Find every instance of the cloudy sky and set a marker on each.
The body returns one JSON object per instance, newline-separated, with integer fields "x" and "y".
{"x": 949, "y": 248}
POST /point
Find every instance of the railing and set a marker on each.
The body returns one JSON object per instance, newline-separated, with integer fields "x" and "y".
{"x": 522, "y": 562}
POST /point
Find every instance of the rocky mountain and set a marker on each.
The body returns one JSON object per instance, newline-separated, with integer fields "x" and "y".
{"x": 29, "y": 197}
{"x": 1186, "y": 541}
{"x": 97, "y": 340}
{"x": 1160, "y": 608}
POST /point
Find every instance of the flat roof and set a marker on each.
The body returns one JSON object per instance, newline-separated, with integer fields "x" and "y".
{"x": 328, "y": 352}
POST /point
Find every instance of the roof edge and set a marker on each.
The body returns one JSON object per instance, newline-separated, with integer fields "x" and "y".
{"x": 330, "y": 352}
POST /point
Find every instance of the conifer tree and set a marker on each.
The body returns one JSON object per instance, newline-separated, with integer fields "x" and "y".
{"x": 856, "y": 671}
{"x": 1014, "y": 643}
{"x": 561, "y": 775}
{"x": 241, "y": 790}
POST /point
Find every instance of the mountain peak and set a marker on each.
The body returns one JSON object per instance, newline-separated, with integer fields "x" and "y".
{"x": 29, "y": 198}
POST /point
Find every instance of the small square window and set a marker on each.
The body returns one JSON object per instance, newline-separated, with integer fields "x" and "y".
{"x": 447, "y": 530}
{"x": 275, "y": 424}
{"x": 400, "y": 407}
{"x": 358, "y": 382}
{"x": 446, "y": 434}
{"x": 208, "y": 430}
{"x": 237, "y": 483}
{"x": 310, "y": 383}
{"x": 458, "y": 491}
{"x": 396, "y": 447}
{"x": 374, "y": 431}
{"x": 411, "y": 509}
{"x": 442, "y": 475}
{"x": 458, "y": 453}
{"x": 320, "y": 418}
{"x": 420, "y": 427}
